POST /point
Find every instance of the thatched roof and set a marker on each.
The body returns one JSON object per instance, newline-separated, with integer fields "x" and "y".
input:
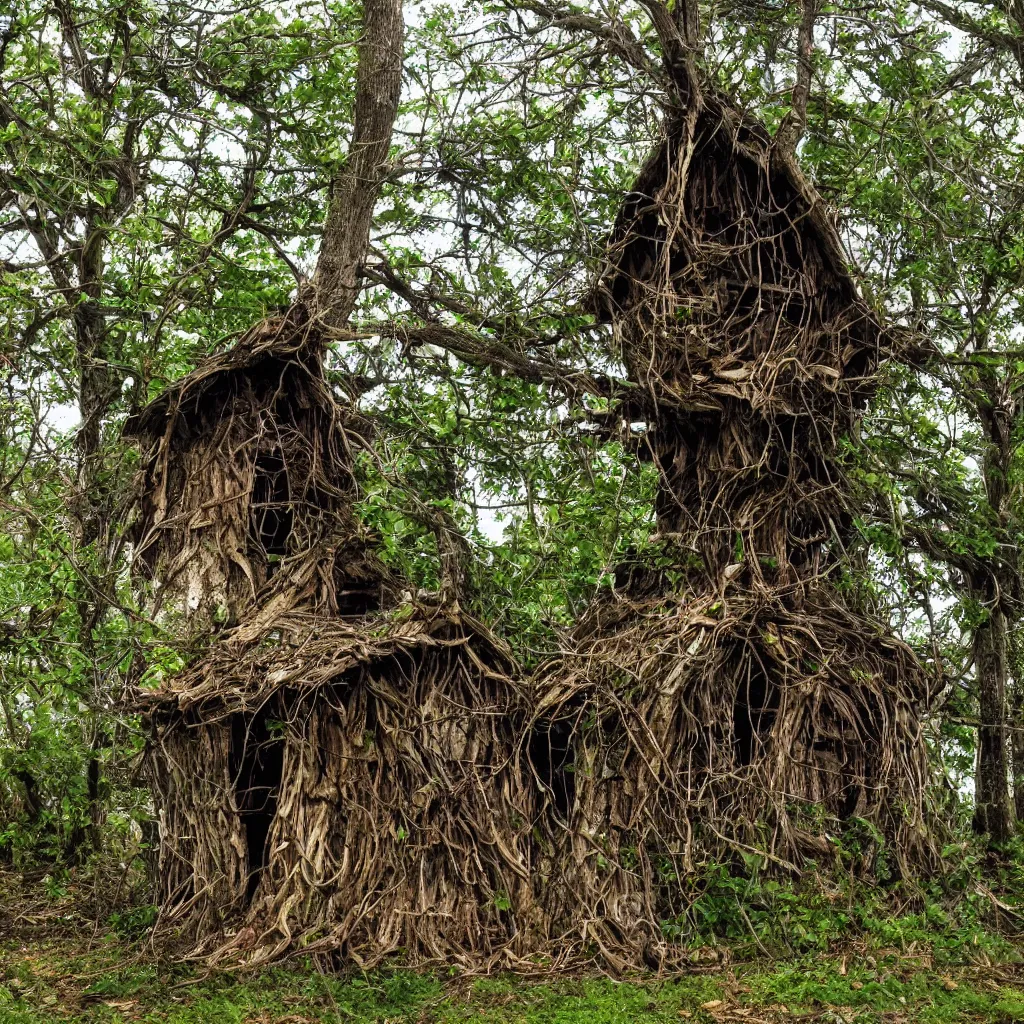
{"x": 299, "y": 651}
{"x": 288, "y": 340}
{"x": 740, "y": 147}
{"x": 735, "y": 310}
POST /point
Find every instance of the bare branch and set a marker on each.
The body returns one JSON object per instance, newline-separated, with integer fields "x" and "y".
{"x": 615, "y": 34}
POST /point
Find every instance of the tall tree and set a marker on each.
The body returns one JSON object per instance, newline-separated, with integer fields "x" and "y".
{"x": 944, "y": 227}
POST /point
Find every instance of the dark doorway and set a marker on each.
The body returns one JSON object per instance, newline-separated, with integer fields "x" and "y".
{"x": 257, "y": 756}
{"x": 753, "y": 713}
{"x": 552, "y": 758}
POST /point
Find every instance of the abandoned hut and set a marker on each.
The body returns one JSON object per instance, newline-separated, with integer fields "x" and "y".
{"x": 337, "y": 770}
{"x": 347, "y": 786}
{"x": 735, "y": 699}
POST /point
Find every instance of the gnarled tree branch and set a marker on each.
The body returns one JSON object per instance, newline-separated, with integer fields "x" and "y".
{"x": 795, "y": 121}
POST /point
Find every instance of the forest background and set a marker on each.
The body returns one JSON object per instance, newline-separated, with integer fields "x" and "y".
{"x": 164, "y": 182}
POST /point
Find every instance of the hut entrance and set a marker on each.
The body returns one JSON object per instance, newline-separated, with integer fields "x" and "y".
{"x": 753, "y": 714}
{"x": 551, "y": 753}
{"x": 257, "y": 764}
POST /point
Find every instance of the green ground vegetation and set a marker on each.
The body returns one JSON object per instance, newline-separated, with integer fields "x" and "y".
{"x": 105, "y": 980}
{"x": 759, "y": 950}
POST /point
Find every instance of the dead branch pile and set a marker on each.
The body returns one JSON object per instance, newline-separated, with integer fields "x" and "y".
{"x": 717, "y": 708}
{"x": 247, "y": 472}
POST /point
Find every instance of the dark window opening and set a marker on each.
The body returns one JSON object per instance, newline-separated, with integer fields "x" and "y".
{"x": 271, "y": 509}
{"x": 849, "y": 800}
{"x": 552, "y": 759}
{"x": 359, "y": 601}
{"x": 842, "y": 770}
{"x": 357, "y": 588}
{"x": 257, "y": 756}
{"x": 753, "y": 715}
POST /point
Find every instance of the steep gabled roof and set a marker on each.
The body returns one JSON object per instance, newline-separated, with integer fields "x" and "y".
{"x": 720, "y": 134}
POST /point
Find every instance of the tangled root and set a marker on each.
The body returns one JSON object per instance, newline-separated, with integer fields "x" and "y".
{"x": 349, "y": 789}
{"x": 714, "y": 726}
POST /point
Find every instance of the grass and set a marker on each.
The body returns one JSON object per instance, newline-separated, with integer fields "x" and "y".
{"x": 947, "y": 951}
{"x": 61, "y": 980}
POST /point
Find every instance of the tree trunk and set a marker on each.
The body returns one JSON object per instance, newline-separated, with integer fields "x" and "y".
{"x": 1017, "y": 747}
{"x": 1015, "y": 669}
{"x": 992, "y": 813}
{"x": 997, "y": 412}
{"x": 354, "y": 189}
{"x": 95, "y": 397}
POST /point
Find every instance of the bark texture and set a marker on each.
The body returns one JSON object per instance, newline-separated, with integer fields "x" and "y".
{"x": 992, "y": 814}
{"x": 354, "y": 189}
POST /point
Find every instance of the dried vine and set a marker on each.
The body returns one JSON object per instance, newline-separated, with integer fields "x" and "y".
{"x": 341, "y": 773}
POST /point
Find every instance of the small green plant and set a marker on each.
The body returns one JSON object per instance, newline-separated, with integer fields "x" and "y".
{"x": 133, "y": 923}
{"x": 55, "y": 885}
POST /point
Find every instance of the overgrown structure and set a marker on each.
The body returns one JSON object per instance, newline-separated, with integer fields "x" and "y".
{"x": 247, "y": 473}
{"x": 336, "y": 772}
{"x": 733, "y": 700}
